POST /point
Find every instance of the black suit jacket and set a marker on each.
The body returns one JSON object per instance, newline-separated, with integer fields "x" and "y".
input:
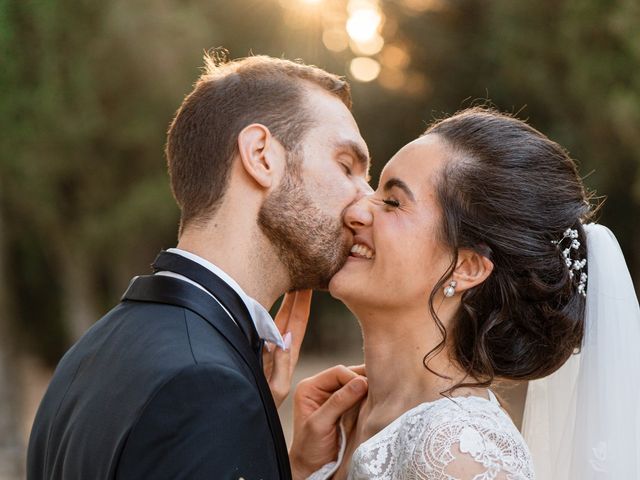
{"x": 165, "y": 386}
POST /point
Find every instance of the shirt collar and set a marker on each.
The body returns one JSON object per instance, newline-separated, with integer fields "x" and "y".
{"x": 262, "y": 320}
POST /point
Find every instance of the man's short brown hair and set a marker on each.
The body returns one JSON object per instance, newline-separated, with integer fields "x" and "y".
{"x": 228, "y": 96}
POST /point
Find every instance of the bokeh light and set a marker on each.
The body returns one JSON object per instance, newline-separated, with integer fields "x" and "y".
{"x": 394, "y": 56}
{"x": 364, "y": 69}
{"x": 363, "y": 24}
{"x": 369, "y": 36}
{"x": 354, "y": 5}
{"x": 335, "y": 39}
{"x": 370, "y": 47}
{"x": 392, "y": 79}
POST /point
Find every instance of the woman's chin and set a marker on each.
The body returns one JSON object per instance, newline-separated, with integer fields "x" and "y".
{"x": 348, "y": 280}
{"x": 335, "y": 285}
{"x": 340, "y": 281}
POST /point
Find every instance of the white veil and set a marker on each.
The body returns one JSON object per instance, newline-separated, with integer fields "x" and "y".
{"x": 583, "y": 421}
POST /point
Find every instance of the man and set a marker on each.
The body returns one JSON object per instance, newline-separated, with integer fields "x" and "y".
{"x": 264, "y": 156}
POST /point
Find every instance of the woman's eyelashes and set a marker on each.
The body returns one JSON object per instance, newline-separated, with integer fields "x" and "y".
{"x": 389, "y": 202}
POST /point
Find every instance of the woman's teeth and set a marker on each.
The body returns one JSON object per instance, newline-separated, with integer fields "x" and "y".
{"x": 362, "y": 251}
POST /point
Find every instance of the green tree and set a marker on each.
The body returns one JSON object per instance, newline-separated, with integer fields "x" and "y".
{"x": 576, "y": 64}
{"x": 83, "y": 167}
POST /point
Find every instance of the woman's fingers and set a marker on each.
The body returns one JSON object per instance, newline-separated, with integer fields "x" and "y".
{"x": 328, "y": 414}
{"x": 298, "y": 321}
{"x": 359, "y": 369}
{"x": 279, "y": 364}
{"x": 282, "y": 317}
{"x": 314, "y": 391}
{"x": 267, "y": 359}
{"x": 281, "y": 373}
{"x": 318, "y": 403}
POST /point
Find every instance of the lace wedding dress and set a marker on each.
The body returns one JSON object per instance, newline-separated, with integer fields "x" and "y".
{"x": 447, "y": 439}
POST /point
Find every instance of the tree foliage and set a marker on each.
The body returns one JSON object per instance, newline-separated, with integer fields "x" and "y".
{"x": 89, "y": 88}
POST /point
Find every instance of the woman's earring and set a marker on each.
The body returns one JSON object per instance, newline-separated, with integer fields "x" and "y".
{"x": 450, "y": 290}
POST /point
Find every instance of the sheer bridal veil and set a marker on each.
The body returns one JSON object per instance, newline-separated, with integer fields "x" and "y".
{"x": 583, "y": 421}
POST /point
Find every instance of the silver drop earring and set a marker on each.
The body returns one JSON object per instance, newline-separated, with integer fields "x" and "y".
{"x": 450, "y": 290}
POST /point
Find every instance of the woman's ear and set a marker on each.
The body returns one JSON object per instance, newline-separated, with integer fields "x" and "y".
{"x": 471, "y": 270}
{"x": 261, "y": 155}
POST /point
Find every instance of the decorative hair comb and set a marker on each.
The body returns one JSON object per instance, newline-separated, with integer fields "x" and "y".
{"x": 576, "y": 264}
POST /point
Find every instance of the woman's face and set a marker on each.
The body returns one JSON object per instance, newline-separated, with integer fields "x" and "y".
{"x": 397, "y": 258}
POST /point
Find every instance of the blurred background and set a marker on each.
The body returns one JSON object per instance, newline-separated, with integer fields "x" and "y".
{"x": 88, "y": 87}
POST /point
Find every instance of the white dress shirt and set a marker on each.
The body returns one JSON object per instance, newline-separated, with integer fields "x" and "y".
{"x": 265, "y": 326}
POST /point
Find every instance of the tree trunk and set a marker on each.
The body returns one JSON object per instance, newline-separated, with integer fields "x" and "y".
{"x": 12, "y": 446}
{"x": 79, "y": 306}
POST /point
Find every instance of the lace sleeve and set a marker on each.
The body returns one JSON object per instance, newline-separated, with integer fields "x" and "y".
{"x": 471, "y": 465}
{"x": 327, "y": 471}
{"x": 462, "y": 444}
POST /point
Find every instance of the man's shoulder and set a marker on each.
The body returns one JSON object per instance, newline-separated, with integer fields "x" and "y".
{"x": 146, "y": 343}
{"x": 181, "y": 334}
{"x": 212, "y": 378}
{"x": 139, "y": 368}
{"x": 133, "y": 353}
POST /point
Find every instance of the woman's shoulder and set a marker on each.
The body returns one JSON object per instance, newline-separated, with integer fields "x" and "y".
{"x": 450, "y": 438}
{"x": 462, "y": 410}
{"x": 461, "y": 437}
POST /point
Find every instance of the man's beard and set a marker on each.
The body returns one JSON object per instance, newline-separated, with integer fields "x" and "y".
{"x": 312, "y": 245}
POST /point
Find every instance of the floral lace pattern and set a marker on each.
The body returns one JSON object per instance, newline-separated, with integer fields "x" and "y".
{"x": 424, "y": 442}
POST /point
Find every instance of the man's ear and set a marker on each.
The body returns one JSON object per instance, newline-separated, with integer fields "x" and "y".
{"x": 471, "y": 270}
{"x": 261, "y": 155}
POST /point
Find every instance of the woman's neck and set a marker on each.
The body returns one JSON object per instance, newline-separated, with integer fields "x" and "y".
{"x": 395, "y": 344}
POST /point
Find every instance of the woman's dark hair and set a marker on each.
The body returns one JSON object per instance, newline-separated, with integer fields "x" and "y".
{"x": 507, "y": 193}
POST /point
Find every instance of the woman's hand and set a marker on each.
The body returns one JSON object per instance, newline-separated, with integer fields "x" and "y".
{"x": 279, "y": 364}
{"x": 319, "y": 403}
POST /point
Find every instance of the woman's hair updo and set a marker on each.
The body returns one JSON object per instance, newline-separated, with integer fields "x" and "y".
{"x": 508, "y": 193}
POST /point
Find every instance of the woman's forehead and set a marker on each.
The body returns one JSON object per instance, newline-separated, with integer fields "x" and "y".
{"x": 417, "y": 161}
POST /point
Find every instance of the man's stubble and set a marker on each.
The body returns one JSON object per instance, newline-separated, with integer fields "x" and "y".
{"x": 312, "y": 245}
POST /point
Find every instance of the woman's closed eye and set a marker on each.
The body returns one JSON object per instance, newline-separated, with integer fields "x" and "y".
{"x": 391, "y": 202}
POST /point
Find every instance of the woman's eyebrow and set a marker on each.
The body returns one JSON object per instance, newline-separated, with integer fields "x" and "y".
{"x": 396, "y": 182}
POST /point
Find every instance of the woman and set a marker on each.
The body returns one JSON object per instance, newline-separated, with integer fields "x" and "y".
{"x": 469, "y": 265}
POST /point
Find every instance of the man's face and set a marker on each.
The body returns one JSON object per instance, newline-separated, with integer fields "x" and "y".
{"x": 326, "y": 174}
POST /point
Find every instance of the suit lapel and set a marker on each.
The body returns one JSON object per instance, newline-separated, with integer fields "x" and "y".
{"x": 217, "y": 287}
{"x": 172, "y": 291}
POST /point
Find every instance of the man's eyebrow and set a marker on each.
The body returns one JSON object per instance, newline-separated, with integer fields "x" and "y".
{"x": 396, "y": 182}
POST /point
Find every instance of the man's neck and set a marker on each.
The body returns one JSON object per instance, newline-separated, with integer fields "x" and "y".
{"x": 242, "y": 253}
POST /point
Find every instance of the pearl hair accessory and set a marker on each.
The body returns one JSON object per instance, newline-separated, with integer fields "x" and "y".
{"x": 577, "y": 265}
{"x": 450, "y": 290}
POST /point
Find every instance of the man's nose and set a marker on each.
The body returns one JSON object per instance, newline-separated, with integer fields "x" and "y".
{"x": 358, "y": 214}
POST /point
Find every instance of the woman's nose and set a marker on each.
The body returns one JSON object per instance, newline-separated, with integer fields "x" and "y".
{"x": 358, "y": 214}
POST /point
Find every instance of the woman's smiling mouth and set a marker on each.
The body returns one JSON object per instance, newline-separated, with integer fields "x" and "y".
{"x": 360, "y": 250}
